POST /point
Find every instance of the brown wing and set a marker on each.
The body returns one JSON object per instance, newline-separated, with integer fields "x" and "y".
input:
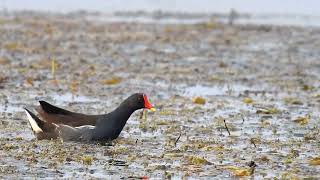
{"x": 53, "y": 114}
{"x": 41, "y": 129}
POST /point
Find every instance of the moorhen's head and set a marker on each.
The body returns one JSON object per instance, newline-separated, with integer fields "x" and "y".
{"x": 139, "y": 101}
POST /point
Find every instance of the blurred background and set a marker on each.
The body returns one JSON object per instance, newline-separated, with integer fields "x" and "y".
{"x": 291, "y": 12}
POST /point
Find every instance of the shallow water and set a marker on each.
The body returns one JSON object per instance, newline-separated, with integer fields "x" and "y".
{"x": 10, "y": 109}
{"x": 200, "y": 90}
{"x": 69, "y": 97}
{"x": 259, "y": 79}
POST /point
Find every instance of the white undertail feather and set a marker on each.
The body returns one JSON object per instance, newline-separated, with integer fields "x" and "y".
{"x": 33, "y": 123}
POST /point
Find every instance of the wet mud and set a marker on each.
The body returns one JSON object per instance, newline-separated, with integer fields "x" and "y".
{"x": 232, "y": 101}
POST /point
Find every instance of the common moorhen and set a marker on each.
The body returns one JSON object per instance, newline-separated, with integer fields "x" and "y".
{"x": 71, "y": 126}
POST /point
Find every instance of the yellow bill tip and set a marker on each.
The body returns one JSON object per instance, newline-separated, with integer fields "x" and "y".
{"x": 152, "y": 109}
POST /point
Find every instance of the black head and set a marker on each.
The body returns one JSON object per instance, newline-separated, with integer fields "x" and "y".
{"x": 138, "y": 101}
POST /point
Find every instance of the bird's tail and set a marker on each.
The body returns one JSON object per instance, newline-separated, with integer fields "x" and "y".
{"x": 34, "y": 121}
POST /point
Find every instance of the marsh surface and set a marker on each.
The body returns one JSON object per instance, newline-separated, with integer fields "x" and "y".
{"x": 263, "y": 82}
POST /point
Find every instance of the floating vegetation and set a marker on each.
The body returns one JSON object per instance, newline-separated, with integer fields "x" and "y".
{"x": 196, "y": 160}
{"x": 271, "y": 110}
{"x": 251, "y": 101}
{"x": 87, "y": 160}
{"x": 315, "y": 161}
{"x": 242, "y": 171}
{"x": 292, "y": 101}
{"x": 239, "y": 171}
{"x": 302, "y": 120}
{"x": 112, "y": 81}
{"x": 248, "y": 100}
{"x": 199, "y": 100}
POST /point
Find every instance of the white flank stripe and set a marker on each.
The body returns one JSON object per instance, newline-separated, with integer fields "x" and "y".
{"x": 33, "y": 123}
{"x": 85, "y": 126}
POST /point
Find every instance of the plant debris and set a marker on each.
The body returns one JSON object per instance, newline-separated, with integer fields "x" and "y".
{"x": 198, "y": 100}
{"x": 112, "y": 81}
{"x": 315, "y": 161}
{"x": 302, "y": 120}
{"x": 226, "y": 95}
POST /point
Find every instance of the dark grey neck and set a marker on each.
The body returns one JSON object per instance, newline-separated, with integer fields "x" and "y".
{"x": 112, "y": 124}
{"x": 122, "y": 113}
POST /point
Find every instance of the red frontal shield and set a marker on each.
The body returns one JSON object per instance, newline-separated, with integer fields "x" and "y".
{"x": 147, "y": 104}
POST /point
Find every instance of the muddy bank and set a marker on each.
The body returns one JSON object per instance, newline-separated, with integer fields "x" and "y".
{"x": 262, "y": 82}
